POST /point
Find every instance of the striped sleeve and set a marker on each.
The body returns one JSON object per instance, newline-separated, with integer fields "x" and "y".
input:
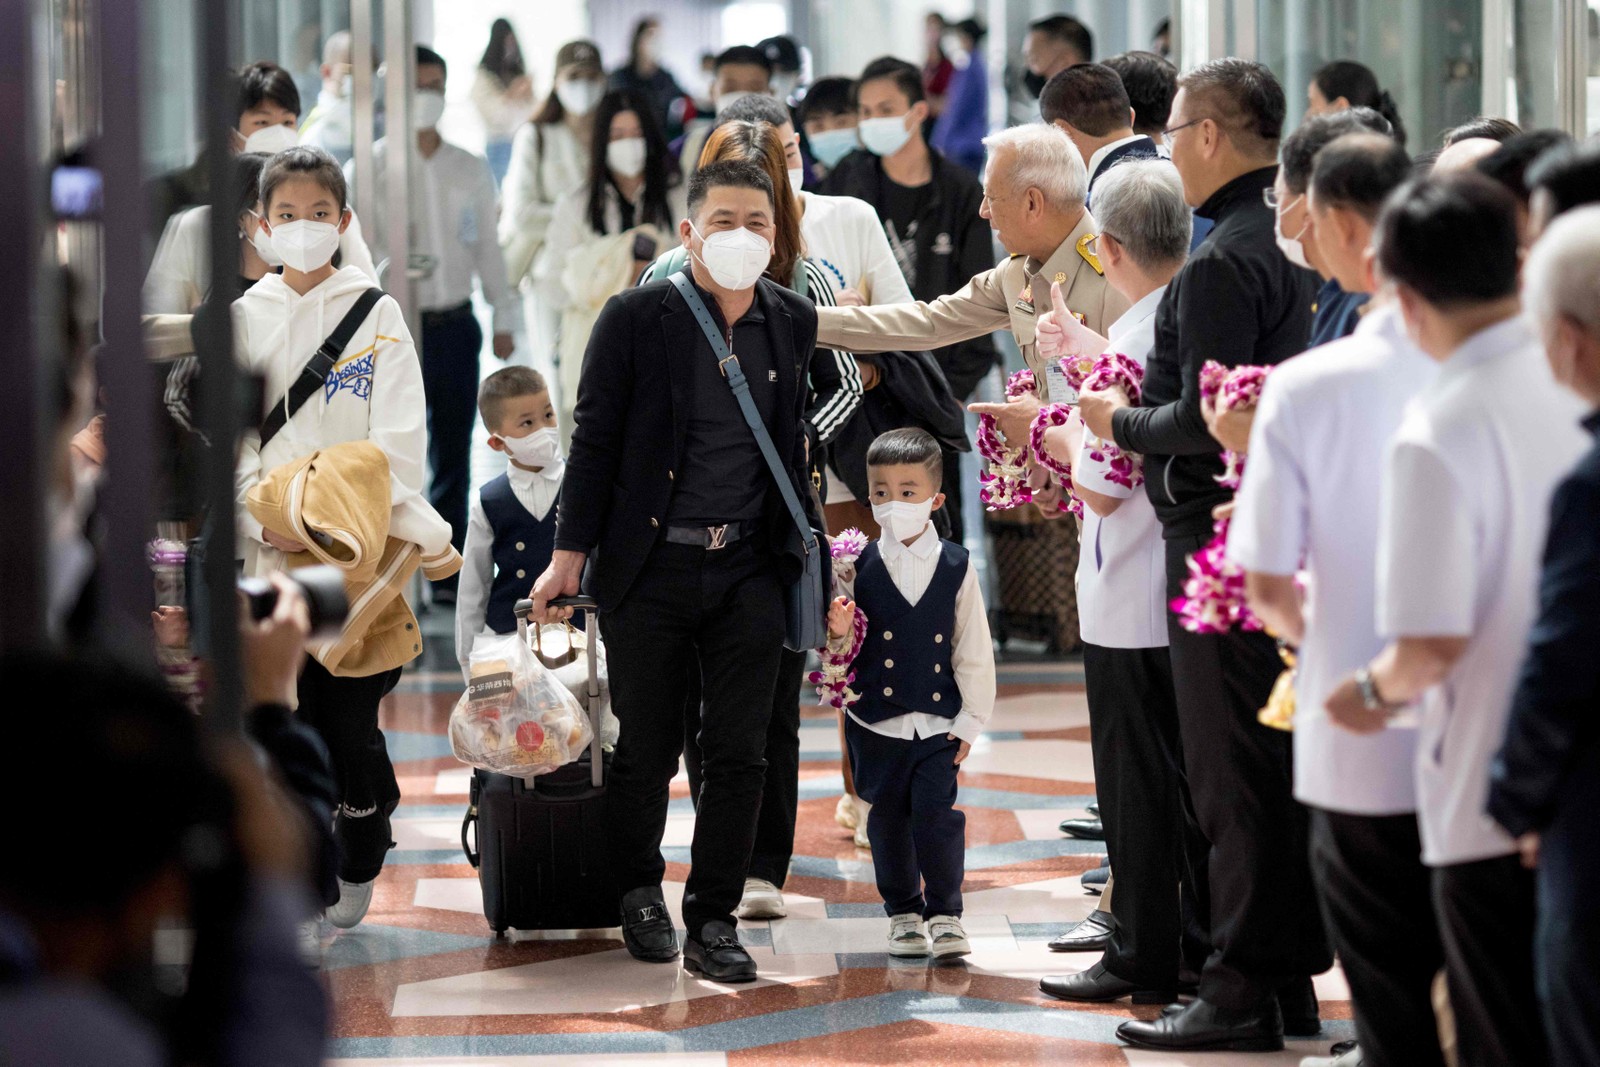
{"x": 835, "y": 382}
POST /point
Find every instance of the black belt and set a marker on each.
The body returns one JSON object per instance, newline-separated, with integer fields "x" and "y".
{"x": 709, "y": 538}
{"x": 444, "y": 315}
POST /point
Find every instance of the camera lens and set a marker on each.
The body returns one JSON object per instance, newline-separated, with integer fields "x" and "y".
{"x": 321, "y": 586}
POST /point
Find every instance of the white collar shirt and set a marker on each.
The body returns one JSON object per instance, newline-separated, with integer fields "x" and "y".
{"x": 1310, "y": 498}
{"x": 1099, "y": 154}
{"x": 1463, "y": 512}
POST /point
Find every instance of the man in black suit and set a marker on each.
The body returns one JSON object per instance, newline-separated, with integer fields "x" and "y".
{"x": 689, "y": 545}
{"x": 1089, "y": 103}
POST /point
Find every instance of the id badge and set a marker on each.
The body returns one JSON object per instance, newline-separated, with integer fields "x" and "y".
{"x": 1057, "y": 389}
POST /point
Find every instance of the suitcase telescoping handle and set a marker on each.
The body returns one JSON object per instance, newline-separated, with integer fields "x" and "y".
{"x": 591, "y": 609}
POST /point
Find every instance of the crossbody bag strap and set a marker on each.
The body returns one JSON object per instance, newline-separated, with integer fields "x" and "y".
{"x": 729, "y": 365}
{"x": 316, "y": 371}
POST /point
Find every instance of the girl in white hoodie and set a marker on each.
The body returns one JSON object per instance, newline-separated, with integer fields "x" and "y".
{"x": 374, "y": 392}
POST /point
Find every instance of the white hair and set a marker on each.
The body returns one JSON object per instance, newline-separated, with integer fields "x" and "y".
{"x": 1562, "y": 275}
{"x": 1043, "y": 158}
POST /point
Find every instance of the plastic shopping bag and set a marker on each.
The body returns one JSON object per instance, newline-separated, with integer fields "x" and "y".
{"x": 516, "y": 717}
{"x": 563, "y": 648}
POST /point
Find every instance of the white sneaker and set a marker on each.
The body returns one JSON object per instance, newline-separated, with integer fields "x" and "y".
{"x": 863, "y": 809}
{"x": 354, "y": 900}
{"x": 906, "y": 937}
{"x": 1348, "y": 1059}
{"x": 308, "y": 934}
{"x": 761, "y": 900}
{"x": 844, "y": 813}
{"x": 947, "y": 937}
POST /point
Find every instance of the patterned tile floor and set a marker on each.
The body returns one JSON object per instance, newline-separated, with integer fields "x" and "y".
{"x": 423, "y": 981}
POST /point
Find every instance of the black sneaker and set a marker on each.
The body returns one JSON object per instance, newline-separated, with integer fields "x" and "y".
{"x": 717, "y": 955}
{"x": 647, "y": 927}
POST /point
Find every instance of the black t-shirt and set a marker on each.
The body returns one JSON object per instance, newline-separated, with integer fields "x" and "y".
{"x": 723, "y": 477}
{"x": 902, "y": 208}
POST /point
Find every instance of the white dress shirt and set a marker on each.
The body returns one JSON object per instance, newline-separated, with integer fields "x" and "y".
{"x": 534, "y": 490}
{"x": 911, "y": 567}
{"x": 1463, "y": 514}
{"x": 1310, "y": 494}
{"x": 1105, "y": 150}
{"x": 1122, "y": 576}
{"x": 453, "y": 229}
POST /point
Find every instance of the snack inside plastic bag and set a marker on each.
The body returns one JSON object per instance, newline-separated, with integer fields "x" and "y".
{"x": 516, "y": 716}
{"x": 562, "y": 648}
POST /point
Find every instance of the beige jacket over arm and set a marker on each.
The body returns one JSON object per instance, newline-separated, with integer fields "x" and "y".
{"x": 987, "y": 303}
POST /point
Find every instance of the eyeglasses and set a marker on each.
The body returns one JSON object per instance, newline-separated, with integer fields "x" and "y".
{"x": 1092, "y": 245}
{"x": 1170, "y": 130}
{"x": 1272, "y": 199}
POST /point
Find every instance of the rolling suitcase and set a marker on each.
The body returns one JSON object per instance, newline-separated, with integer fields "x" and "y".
{"x": 539, "y": 846}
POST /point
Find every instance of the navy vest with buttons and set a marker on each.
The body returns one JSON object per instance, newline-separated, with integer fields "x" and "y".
{"x": 521, "y": 551}
{"x": 904, "y": 664}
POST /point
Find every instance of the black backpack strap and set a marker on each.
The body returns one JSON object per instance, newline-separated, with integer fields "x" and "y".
{"x": 314, "y": 373}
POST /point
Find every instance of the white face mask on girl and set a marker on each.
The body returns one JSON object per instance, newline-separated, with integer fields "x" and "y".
{"x": 270, "y": 140}
{"x": 263, "y": 244}
{"x": 305, "y": 245}
{"x": 580, "y": 95}
{"x": 626, "y": 156}
{"x": 901, "y": 519}
{"x": 541, "y": 448}
{"x": 735, "y": 258}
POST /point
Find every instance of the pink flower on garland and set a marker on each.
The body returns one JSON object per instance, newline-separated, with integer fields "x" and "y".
{"x": 1005, "y": 483}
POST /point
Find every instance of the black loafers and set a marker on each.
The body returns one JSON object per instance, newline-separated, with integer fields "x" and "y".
{"x": 717, "y": 955}
{"x": 647, "y": 927}
{"x": 1084, "y": 829}
{"x": 1097, "y": 985}
{"x": 1095, "y": 878}
{"x": 1200, "y": 1026}
{"x": 1090, "y": 935}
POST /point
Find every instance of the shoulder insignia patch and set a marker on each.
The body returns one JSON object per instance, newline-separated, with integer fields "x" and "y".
{"x": 1088, "y": 256}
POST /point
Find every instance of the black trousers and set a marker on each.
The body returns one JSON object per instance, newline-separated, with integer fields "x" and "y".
{"x": 780, "y": 789}
{"x": 721, "y": 612}
{"x": 451, "y": 341}
{"x": 1266, "y": 930}
{"x": 1378, "y": 903}
{"x": 1138, "y": 773}
{"x": 1486, "y": 921}
{"x": 345, "y": 712}
{"x": 918, "y": 835}
{"x": 1567, "y": 947}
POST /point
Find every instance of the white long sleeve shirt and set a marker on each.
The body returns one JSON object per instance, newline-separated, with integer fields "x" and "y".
{"x": 547, "y": 162}
{"x": 911, "y": 568}
{"x": 534, "y": 490}
{"x": 845, "y": 237}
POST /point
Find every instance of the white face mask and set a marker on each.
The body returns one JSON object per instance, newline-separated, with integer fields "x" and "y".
{"x": 580, "y": 95}
{"x": 305, "y": 245}
{"x": 735, "y": 258}
{"x": 901, "y": 519}
{"x": 784, "y": 85}
{"x": 347, "y": 85}
{"x": 1293, "y": 249}
{"x": 427, "y": 108}
{"x": 626, "y": 156}
{"x": 541, "y": 448}
{"x": 830, "y": 146}
{"x": 797, "y": 178}
{"x": 263, "y": 242}
{"x": 884, "y": 136}
{"x": 726, "y": 100}
{"x": 270, "y": 140}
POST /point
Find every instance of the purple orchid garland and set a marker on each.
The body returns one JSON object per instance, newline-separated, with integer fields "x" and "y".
{"x": 833, "y": 680}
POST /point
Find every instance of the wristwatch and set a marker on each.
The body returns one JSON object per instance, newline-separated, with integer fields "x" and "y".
{"x": 1371, "y": 699}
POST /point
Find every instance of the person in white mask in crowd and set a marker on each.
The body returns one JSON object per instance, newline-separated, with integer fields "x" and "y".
{"x": 740, "y": 71}
{"x": 372, "y": 392}
{"x": 453, "y": 242}
{"x": 331, "y": 123}
{"x": 549, "y": 158}
{"x": 689, "y": 543}
{"x": 605, "y": 231}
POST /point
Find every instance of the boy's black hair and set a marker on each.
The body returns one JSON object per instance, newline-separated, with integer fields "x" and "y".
{"x": 907, "y": 446}
{"x": 267, "y": 82}
{"x": 1453, "y": 240}
{"x": 505, "y": 384}
{"x": 907, "y": 79}
{"x": 307, "y": 161}
{"x": 828, "y": 96}
{"x": 727, "y": 172}
{"x": 427, "y": 57}
{"x": 745, "y": 54}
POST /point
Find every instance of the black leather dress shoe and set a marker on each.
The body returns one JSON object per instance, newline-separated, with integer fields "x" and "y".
{"x": 1095, "y": 878}
{"x": 1297, "y": 1000}
{"x": 1205, "y": 1027}
{"x": 1090, "y": 935}
{"x": 647, "y": 927}
{"x": 1093, "y": 808}
{"x": 717, "y": 955}
{"x": 1098, "y": 984}
{"x": 1084, "y": 829}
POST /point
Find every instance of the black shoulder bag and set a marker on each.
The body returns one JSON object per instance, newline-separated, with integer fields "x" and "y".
{"x": 315, "y": 373}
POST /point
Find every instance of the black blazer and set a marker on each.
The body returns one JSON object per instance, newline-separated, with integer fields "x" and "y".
{"x": 631, "y": 424}
{"x": 1143, "y": 148}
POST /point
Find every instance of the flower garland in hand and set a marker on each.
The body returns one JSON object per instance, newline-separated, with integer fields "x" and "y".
{"x": 1114, "y": 370}
{"x": 1005, "y": 483}
{"x": 833, "y": 680}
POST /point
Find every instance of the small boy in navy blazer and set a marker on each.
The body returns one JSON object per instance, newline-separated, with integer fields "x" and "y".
{"x": 511, "y": 524}
{"x": 925, "y": 675}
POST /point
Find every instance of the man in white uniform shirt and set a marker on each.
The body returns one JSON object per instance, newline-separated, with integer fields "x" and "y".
{"x": 453, "y": 240}
{"x": 1310, "y": 499}
{"x": 1464, "y": 508}
{"x": 1133, "y": 714}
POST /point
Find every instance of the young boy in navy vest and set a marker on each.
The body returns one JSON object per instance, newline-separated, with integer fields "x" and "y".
{"x": 925, "y": 675}
{"x": 511, "y": 523}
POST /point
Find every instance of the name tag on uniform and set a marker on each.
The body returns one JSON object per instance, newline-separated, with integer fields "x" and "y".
{"x": 1057, "y": 389}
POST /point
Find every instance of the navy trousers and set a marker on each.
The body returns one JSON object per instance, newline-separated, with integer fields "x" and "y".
{"x": 1567, "y": 940}
{"x": 451, "y": 341}
{"x": 919, "y": 838}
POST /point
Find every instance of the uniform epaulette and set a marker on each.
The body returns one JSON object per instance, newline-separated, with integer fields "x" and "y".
{"x": 1088, "y": 256}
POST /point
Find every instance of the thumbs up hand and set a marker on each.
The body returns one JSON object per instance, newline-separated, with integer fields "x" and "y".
{"x": 1058, "y": 332}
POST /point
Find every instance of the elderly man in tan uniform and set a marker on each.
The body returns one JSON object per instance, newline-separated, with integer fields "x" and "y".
{"x": 1034, "y": 193}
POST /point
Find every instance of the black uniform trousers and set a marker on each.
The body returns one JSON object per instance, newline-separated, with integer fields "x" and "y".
{"x": 720, "y": 611}
{"x": 1486, "y": 914}
{"x": 1138, "y": 773}
{"x": 1266, "y": 930}
{"x": 344, "y": 711}
{"x": 1377, "y": 899}
{"x": 780, "y": 789}
{"x": 451, "y": 341}
{"x": 1567, "y": 946}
